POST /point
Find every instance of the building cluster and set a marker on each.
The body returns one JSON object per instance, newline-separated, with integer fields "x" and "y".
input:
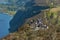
{"x": 37, "y": 24}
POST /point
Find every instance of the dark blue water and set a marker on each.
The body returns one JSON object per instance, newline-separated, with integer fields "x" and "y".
{"x": 4, "y": 24}
{"x": 19, "y": 18}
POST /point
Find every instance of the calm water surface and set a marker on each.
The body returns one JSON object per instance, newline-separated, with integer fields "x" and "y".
{"x": 4, "y": 24}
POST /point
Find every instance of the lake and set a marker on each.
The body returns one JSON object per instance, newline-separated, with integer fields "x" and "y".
{"x": 4, "y": 24}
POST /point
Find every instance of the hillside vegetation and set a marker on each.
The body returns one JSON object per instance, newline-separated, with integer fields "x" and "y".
{"x": 50, "y": 18}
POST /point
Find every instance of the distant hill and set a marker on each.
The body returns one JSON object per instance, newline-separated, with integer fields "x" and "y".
{"x": 14, "y": 5}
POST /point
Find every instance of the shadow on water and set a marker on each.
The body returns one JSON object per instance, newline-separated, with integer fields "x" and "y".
{"x": 19, "y": 18}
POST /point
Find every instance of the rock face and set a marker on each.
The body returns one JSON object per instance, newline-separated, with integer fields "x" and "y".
{"x": 49, "y": 30}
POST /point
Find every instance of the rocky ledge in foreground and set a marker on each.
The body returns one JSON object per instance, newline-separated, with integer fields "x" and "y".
{"x": 45, "y": 26}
